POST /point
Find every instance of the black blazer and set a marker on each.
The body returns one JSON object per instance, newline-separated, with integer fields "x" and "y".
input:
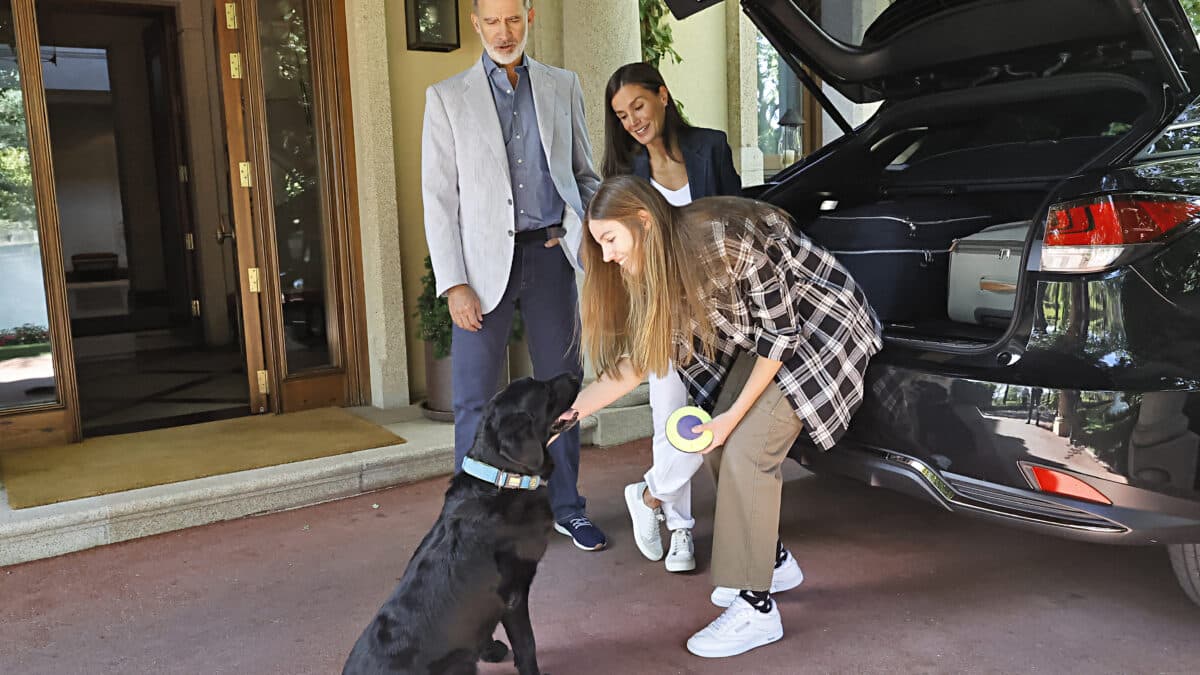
{"x": 708, "y": 159}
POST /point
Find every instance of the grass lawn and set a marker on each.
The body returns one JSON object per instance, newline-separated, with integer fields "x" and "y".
{"x": 17, "y": 351}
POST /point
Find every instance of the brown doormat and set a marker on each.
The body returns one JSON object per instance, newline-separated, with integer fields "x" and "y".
{"x": 107, "y": 464}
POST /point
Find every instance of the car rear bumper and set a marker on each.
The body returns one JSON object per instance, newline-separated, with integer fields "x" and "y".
{"x": 1137, "y": 516}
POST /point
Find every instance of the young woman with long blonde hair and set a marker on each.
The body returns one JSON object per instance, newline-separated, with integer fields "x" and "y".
{"x": 769, "y": 332}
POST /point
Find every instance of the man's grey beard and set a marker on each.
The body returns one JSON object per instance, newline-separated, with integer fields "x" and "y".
{"x": 501, "y": 59}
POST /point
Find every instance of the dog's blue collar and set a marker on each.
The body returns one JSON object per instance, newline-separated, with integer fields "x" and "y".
{"x": 501, "y": 479}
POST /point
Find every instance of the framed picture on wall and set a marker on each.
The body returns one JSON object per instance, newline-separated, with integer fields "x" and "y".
{"x": 432, "y": 25}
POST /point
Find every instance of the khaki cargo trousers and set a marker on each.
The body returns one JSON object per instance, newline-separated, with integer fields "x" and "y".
{"x": 749, "y": 478}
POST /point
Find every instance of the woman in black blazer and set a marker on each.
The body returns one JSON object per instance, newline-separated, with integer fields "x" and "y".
{"x": 645, "y": 135}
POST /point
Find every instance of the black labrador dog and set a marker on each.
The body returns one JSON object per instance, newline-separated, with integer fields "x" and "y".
{"x": 474, "y": 568}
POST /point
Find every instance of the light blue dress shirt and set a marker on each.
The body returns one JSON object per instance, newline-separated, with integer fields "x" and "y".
{"x": 536, "y": 202}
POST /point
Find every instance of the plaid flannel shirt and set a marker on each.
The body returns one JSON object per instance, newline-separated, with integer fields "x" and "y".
{"x": 794, "y": 303}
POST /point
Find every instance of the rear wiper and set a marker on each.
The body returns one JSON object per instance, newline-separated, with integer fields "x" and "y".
{"x": 1158, "y": 45}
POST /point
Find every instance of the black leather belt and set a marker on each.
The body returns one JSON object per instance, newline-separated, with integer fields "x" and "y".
{"x": 541, "y": 235}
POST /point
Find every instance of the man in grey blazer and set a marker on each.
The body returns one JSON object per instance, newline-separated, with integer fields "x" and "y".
{"x": 506, "y": 172}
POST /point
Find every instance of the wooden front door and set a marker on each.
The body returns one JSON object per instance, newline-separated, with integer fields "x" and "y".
{"x": 284, "y": 79}
{"x": 241, "y": 207}
{"x": 285, "y": 163}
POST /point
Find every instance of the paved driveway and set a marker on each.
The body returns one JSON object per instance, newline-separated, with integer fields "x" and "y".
{"x": 893, "y": 586}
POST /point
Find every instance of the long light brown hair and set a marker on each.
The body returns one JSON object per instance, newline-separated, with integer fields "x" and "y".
{"x": 661, "y": 311}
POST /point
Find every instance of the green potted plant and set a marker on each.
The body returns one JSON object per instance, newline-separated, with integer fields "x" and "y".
{"x": 436, "y": 329}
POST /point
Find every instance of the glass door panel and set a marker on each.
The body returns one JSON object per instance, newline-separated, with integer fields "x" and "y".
{"x": 301, "y": 220}
{"x": 27, "y": 374}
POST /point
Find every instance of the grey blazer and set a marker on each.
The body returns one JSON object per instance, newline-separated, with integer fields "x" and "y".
{"x": 467, "y": 191}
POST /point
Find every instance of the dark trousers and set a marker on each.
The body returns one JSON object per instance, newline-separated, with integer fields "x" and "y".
{"x": 544, "y": 282}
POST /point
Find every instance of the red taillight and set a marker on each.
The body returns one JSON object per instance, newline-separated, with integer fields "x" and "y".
{"x": 1089, "y": 235}
{"x": 1059, "y": 483}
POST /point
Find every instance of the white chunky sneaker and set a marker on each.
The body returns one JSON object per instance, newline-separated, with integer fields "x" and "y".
{"x": 786, "y": 577}
{"x": 682, "y": 557}
{"x": 645, "y": 522}
{"x": 739, "y": 629}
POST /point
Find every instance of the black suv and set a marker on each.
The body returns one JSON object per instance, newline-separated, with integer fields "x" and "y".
{"x": 1023, "y": 211}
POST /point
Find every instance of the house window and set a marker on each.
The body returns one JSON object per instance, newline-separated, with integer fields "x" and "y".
{"x": 780, "y": 110}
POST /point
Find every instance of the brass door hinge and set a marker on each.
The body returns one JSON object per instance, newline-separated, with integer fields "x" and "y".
{"x": 245, "y": 174}
{"x": 183, "y": 173}
{"x": 252, "y": 280}
{"x": 196, "y": 308}
{"x": 189, "y": 241}
{"x": 231, "y": 15}
{"x": 264, "y": 385}
{"x": 235, "y": 65}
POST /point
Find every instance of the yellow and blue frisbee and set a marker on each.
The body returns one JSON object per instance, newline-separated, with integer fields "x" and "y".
{"x": 680, "y": 425}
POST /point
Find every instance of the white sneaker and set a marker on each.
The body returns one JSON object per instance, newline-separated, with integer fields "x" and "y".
{"x": 645, "y": 522}
{"x": 682, "y": 557}
{"x": 738, "y": 630}
{"x": 786, "y": 577}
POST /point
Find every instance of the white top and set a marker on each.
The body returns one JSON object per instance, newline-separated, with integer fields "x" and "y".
{"x": 680, "y": 197}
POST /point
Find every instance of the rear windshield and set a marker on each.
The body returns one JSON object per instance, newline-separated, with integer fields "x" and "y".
{"x": 1030, "y": 141}
{"x": 1103, "y": 118}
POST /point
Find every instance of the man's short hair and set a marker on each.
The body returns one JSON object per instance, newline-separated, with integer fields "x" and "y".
{"x": 475, "y": 4}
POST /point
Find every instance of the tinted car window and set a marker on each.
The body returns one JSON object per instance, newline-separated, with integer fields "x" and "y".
{"x": 1182, "y": 137}
{"x": 1111, "y": 116}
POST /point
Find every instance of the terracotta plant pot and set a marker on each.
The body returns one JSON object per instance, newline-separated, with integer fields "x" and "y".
{"x": 439, "y": 386}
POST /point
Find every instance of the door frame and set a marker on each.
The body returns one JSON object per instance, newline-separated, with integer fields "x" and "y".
{"x": 348, "y": 382}
{"x": 241, "y": 208}
{"x": 58, "y": 422}
{"x": 174, "y": 170}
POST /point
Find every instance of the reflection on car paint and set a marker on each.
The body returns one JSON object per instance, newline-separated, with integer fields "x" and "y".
{"x": 984, "y": 429}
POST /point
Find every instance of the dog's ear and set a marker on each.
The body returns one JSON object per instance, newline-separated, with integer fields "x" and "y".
{"x": 518, "y": 442}
{"x": 563, "y": 390}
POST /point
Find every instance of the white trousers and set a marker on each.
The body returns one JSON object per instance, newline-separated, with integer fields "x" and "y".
{"x": 670, "y": 476}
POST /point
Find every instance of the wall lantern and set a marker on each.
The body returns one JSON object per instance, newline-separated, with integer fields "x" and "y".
{"x": 432, "y": 25}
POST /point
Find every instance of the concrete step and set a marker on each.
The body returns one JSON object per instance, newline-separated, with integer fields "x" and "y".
{"x": 614, "y": 426}
{"x": 56, "y": 529}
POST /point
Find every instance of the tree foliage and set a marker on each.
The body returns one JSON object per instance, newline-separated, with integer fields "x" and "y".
{"x": 16, "y": 183}
{"x": 1192, "y": 9}
{"x": 770, "y": 104}
{"x": 657, "y": 40}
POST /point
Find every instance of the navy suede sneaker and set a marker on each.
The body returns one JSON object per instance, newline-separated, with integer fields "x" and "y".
{"x": 581, "y": 531}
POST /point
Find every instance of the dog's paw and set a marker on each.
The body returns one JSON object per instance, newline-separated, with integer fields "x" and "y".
{"x": 494, "y": 652}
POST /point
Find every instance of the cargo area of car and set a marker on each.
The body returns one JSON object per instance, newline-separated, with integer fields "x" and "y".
{"x": 931, "y": 205}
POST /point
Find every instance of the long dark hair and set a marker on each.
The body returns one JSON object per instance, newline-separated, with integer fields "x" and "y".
{"x": 619, "y": 145}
